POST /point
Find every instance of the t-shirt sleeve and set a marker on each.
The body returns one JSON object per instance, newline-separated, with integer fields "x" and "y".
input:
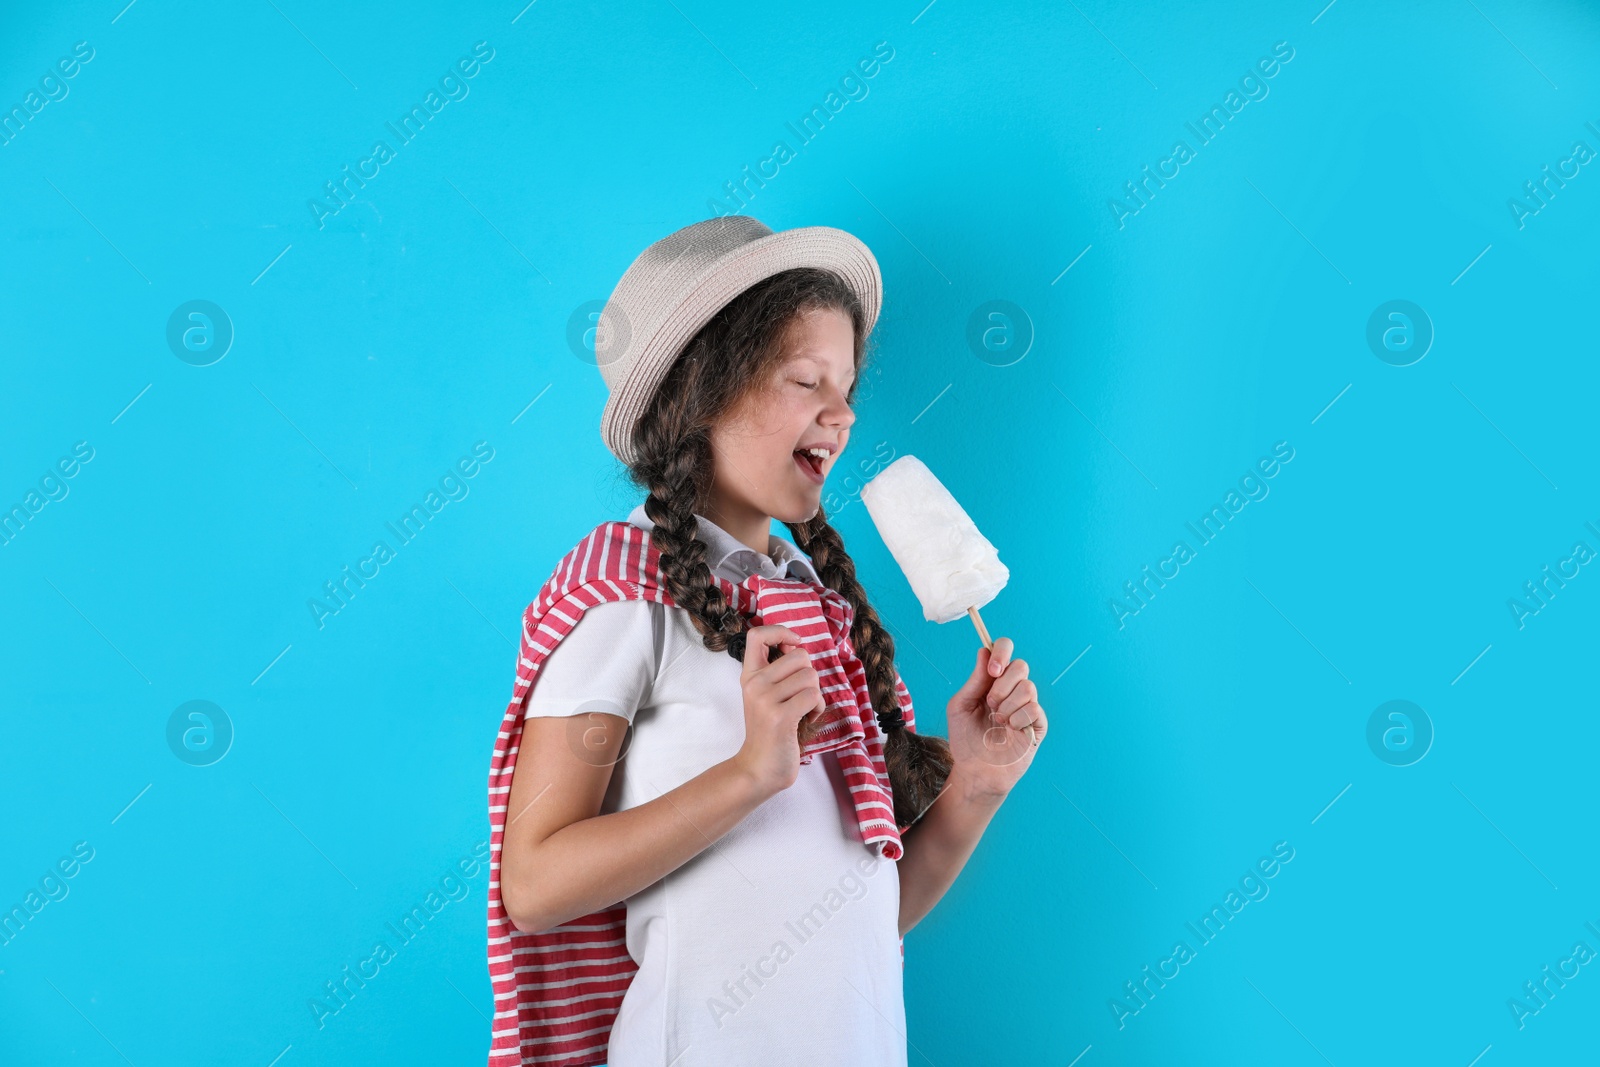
{"x": 605, "y": 663}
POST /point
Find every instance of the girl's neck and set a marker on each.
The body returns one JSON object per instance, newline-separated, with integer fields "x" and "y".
{"x": 747, "y": 525}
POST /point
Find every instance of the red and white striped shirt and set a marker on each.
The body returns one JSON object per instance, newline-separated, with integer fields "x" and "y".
{"x": 557, "y": 992}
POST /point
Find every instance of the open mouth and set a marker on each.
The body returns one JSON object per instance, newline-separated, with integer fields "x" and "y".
{"x": 810, "y": 465}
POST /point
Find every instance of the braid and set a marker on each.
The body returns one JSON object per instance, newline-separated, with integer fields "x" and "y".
{"x": 675, "y": 534}
{"x": 731, "y": 355}
{"x": 918, "y": 765}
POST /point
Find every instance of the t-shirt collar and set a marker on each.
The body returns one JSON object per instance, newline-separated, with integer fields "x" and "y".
{"x": 724, "y": 551}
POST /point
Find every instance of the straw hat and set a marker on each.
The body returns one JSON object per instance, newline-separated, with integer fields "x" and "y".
{"x": 679, "y": 283}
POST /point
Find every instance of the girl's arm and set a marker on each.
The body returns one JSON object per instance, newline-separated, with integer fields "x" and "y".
{"x": 938, "y": 844}
{"x": 561, "y": 859}
{"x": 987, "y": 717}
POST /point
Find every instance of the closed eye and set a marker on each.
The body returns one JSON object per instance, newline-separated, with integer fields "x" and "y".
{"x": 808, "y": 385}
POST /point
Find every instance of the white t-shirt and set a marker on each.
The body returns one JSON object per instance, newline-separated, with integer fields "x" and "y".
{"x": 779, "y": 943}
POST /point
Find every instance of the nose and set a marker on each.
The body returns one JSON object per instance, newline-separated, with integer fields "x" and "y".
{"x": 837, "y": 412}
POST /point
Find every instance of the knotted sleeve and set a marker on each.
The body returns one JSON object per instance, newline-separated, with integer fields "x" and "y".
{"x": 904, "y": 695}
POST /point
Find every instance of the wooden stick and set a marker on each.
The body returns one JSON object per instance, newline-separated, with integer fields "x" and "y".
{"x": 983, "y": 635}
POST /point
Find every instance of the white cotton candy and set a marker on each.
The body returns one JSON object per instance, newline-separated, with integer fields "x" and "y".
{"x": 950, "y": 565}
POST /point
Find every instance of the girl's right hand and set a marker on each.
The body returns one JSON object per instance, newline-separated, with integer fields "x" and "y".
{"x": 777, "y": 697}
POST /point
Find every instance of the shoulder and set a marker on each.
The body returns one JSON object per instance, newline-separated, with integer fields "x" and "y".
{"x": 610, "y": 532}
{"x": 612, "y": 552}
{"x": 617, "y": 625}
{"x": 606, "y": 661}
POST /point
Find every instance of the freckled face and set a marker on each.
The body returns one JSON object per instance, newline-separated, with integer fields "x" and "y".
{"x": 757, "y": 466}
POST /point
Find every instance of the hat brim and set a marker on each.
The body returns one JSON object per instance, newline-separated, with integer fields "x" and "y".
{"x": 709, "y": 292}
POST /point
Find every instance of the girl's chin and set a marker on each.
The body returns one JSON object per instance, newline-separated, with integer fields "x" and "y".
{"x": 802, "y": 511}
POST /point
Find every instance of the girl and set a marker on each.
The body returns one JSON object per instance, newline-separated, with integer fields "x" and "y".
{"x": 687, "y": 859}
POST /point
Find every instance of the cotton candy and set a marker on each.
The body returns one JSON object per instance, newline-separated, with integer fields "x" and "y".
{"x": 950, "y": 565}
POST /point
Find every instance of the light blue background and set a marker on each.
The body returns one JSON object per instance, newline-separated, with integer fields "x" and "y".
{"x": 426, "y": 316}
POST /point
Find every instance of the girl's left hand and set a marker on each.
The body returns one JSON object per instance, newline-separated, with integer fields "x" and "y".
{"x": 987, "y": 720}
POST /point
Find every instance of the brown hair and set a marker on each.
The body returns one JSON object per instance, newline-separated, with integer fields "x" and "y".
{"x": 733, "y": 355}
